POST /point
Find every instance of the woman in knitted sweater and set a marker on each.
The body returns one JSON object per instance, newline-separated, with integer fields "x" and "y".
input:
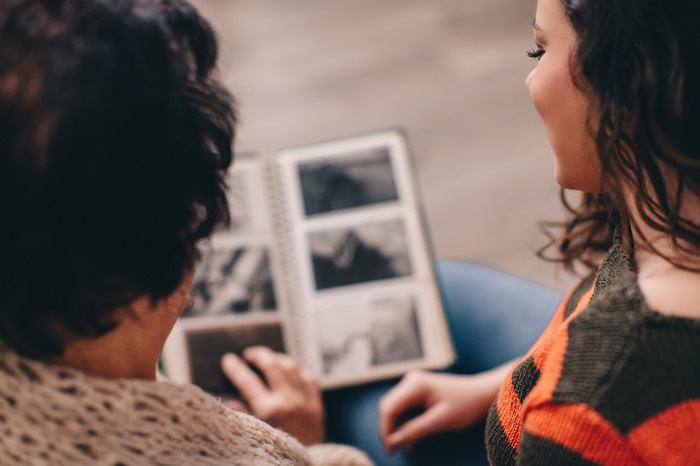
{"x": 115, "y": 135}
{"x": 615, "y": 378}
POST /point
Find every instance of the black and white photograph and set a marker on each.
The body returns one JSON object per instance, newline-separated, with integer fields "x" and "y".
{"x": 356, "y": 338}
{"x": 238, "y": 196}
{"x": 232, "y": 279}
{"x": 342, "y": 182}
{"x": 207, "y": 346}
{"x": 358, "y": 254}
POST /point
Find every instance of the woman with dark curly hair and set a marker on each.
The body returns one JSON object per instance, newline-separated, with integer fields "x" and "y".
{"x": 115, "y": 136}
{"x": 615, "y": 378}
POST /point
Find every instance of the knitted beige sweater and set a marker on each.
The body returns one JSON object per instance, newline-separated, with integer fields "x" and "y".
{"x": 52, "y": 415}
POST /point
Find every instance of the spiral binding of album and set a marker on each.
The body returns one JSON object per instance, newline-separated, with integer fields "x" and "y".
{"x": 297, "y": 335}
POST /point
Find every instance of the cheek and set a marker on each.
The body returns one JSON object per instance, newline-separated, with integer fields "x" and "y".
{"x": 545, "y": 87}
{"x": 563, "y": 110}
{"x": 549, "y": 101}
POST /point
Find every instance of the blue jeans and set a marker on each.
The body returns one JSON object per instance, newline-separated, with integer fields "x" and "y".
{"x": 494, "y": 317}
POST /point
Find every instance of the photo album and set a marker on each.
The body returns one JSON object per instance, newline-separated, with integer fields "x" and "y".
{"x": 327, "y": 259}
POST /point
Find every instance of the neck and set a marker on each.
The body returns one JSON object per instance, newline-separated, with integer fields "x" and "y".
{"x": 663, "y": 274}
{"x": 654, "y": 251}
{"x": 131, "y": 350}
{"x": 111, "y": 357}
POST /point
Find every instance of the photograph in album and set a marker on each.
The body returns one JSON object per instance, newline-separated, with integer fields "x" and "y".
{"x": 357, "y": 337}
{"x": 206, "y": 347}
{"x": 232, "y": 279}
{"x": 361, "y": 253}
{"x": 351, "y": 180}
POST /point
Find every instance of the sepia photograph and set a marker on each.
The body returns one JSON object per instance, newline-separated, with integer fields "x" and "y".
{"x": 207, "y": 346}
{"x": 346, "y": 181}
{"x": 232, "y": 279}
{"x": 360, "y": 253}
{"x": 358, "y": 337}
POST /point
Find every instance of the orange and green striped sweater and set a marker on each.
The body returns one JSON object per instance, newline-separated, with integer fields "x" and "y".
{"x": 609, "y": 382}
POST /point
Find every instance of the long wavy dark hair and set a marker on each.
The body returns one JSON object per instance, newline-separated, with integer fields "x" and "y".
{"x": 115, "y": 135}
{"x": 639, "y": 63}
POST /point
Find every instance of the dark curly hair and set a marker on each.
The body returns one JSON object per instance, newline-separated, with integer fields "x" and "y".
{"x": 639, "y": 63}
{"x": 115, "y": 136}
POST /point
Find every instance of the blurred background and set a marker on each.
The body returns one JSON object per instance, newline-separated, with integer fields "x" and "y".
{"x": 450, "y": 72}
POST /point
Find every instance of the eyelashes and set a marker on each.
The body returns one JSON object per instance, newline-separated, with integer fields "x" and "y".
{"x": 535, "y": 54}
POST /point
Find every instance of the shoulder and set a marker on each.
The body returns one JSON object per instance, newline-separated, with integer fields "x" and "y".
{"x": 611, "y": 383}
{"x": 69, "y": 417}
{"x": 627, "y": 383}
{"x": 627, "y": 393}
{"x": 202, "y": 424}
{"x": 627, "y": 362}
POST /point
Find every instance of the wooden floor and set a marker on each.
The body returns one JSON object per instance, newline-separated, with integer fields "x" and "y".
{"x": 451, "y": 72}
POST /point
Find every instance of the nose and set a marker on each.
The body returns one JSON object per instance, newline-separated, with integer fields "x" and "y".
{"x": 528, "y": 79}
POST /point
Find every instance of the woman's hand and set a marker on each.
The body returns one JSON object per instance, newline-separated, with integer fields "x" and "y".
{"x": 443, "y": 401}
{"x": 289, "y": 398}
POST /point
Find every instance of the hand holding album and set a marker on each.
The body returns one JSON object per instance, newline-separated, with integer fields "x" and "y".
{"x": 287, "y": 395}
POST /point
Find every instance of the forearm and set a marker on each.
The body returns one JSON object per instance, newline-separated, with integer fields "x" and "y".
{"x": 491, "y": 382}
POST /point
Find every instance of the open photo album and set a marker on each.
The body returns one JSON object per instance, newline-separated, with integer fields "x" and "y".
{"x": 327, "y": 259}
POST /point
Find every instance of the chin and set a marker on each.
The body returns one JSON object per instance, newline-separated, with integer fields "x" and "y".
{"x": 584, "y": 182}
{"x": 562, "y": 179}
{"x": 578, "y": 185}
